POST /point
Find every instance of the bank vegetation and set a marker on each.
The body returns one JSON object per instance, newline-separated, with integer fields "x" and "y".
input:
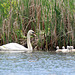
{"x": 52, "y": 20}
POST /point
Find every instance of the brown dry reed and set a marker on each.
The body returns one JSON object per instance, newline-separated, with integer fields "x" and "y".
{"x": 52, "y": 20}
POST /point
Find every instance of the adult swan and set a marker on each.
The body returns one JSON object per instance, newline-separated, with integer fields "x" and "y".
{"x": 15, "y": 47}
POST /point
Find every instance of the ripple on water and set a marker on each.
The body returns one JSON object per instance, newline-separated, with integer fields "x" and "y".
{"x": 37, "y": 63}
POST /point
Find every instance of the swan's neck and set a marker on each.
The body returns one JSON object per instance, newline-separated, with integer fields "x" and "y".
{"x": 29, "y": 43}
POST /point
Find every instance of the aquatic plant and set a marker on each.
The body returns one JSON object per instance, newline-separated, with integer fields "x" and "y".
{"x": 53, "y": 20}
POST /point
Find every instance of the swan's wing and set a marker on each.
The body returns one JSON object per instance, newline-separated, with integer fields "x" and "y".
{"x": 12, "y": 46}
{"x": 18, "y": 46}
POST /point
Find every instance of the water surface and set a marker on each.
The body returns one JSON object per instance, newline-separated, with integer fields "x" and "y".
{"x": 37, "y": 63}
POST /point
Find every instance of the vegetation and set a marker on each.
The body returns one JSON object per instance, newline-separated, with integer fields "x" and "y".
{"x": 52, "y": 20}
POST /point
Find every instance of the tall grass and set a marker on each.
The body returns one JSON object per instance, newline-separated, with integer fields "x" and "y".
{"x": 53, "y": 18}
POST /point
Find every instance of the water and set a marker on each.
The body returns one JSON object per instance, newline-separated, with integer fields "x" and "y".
{"x": 37, "y": 63}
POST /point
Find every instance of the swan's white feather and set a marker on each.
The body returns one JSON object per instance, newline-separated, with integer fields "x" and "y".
{"x": 15, "y": 47}
{"x": 12, "y": 46}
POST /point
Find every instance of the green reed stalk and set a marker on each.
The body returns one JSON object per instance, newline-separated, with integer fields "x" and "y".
{"x": 54, "y": 17}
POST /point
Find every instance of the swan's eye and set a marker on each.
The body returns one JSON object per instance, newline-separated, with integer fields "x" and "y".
{"x": 32, "y": 32}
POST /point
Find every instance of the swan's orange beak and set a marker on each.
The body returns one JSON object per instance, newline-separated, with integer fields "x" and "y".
{"x": 34, "y": 34}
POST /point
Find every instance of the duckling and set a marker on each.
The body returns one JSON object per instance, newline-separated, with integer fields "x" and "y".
{"x": 69, "y": 49}
{"x": 64, "y": 50}
{"x": 72, "y": 49}
{"x": 58, "y": 50}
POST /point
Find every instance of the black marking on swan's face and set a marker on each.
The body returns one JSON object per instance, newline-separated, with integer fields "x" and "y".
{"x": 31, "y": 32}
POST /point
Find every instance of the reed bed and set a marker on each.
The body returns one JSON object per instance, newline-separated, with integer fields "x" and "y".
{"x": 52, "y": 20}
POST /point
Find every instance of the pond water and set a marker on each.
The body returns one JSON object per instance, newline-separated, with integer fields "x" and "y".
{"x": 37, "y": 63}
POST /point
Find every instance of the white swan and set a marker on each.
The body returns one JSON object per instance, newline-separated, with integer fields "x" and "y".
{"x": 72, "y": 49}
{"x": 15, "y": 47}
{"x": 58, "y": 50}
{"x": 63, "y": 50}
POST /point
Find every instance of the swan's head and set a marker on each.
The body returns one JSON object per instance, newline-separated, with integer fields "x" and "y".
{"x": 57, "y": 47}
{"x": 31, "y": 32}
{"x": 63, "y": 47}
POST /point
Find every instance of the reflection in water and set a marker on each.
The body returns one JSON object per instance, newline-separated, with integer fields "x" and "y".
{"x": 37, "y": 63}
